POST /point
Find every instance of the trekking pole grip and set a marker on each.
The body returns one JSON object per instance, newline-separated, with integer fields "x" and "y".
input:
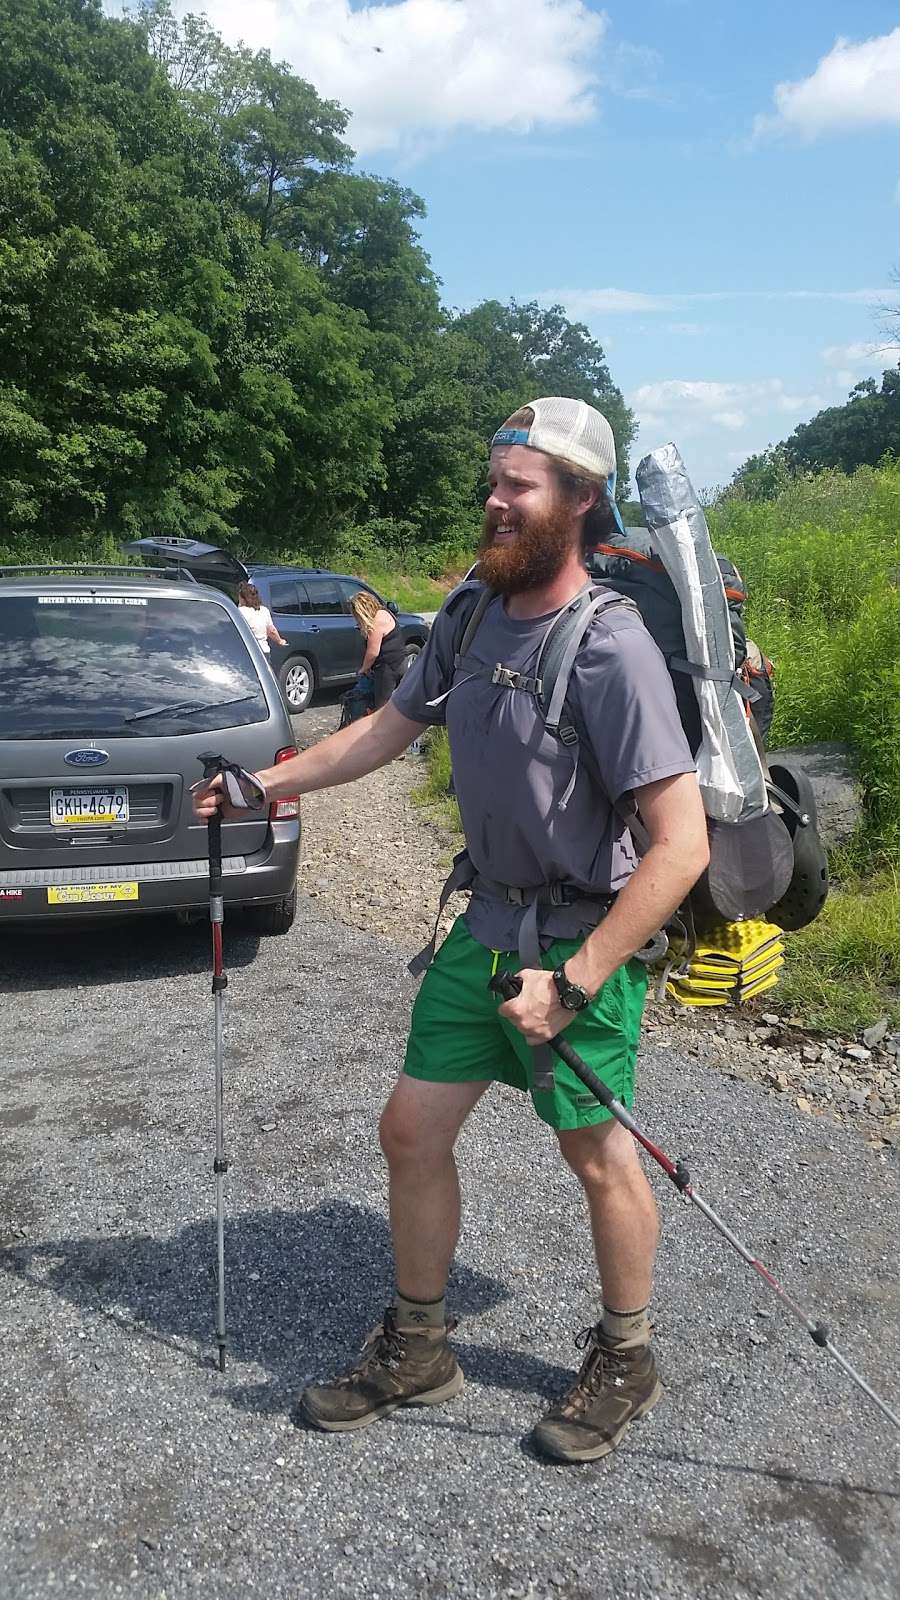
{"x": 508, "y": 985}
{"x": 213, "y": 766}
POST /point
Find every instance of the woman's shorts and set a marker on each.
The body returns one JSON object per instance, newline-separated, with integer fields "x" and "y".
{"x": 458, "y": 1036}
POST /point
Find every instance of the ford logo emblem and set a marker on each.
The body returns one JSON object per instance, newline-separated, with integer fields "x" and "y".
{"x": 86, "y": 758}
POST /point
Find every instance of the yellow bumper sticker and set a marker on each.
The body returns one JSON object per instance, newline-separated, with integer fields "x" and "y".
{"x": 81, "y": 894}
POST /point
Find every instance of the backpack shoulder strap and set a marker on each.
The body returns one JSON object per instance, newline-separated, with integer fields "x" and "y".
{"x": 560, "y": 646}
{"x": 471, "y": 617}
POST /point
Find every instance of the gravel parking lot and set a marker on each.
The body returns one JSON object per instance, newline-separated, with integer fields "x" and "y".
{"x": 130, "y": 1466}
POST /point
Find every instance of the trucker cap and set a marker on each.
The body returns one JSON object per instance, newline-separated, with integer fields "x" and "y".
{"x": 570, "y": 429}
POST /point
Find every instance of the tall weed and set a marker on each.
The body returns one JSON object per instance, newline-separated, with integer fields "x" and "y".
{"x": 822, "y": 568}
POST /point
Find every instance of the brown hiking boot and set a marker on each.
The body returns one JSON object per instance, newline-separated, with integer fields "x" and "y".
{"x": 397, "y": 1367}
{"x": 614, "y": 1386}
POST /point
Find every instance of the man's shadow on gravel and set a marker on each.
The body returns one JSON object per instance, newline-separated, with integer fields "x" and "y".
{"x": 87, "y": 954}
{"x": 302, "y": 1288}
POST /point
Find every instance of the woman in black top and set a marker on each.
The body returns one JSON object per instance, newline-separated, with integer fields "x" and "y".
{"x": 385, "y": 650}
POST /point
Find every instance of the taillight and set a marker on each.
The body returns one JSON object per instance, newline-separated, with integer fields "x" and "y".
{"x": 280, "y": 810}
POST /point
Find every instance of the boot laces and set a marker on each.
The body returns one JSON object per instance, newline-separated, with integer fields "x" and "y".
{"x": 602, "y": 1366}
{"x": 385, "y": 1347}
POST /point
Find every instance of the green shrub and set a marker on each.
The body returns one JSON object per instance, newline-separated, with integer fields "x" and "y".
{"x": 822, "y": 566}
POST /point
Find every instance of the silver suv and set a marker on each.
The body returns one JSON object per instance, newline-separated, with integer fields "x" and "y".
{"x": 113, "y": 682}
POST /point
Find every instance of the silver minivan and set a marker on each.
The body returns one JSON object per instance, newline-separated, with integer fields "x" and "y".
{"x": 113, "y": 681}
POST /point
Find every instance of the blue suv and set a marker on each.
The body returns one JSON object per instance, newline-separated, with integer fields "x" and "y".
{"x": 310, "y": 608}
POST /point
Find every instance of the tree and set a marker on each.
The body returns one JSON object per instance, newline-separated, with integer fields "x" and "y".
{"x": 519, "y": 352}
{"x": 857, "y": 434}
{"x": 162, "y": 370}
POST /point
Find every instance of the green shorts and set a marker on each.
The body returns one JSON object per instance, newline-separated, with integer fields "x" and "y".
{"x": 457, "y": 1035}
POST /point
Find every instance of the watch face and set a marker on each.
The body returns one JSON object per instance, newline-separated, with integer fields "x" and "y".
{"x": 571, "y": 995}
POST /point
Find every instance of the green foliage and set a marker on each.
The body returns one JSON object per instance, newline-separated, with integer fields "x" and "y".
{"x": 862, "y": 432}
{"x": 822, "y": 567}
{"x": 843, "y": 970}
{"x": 210, "y": 326}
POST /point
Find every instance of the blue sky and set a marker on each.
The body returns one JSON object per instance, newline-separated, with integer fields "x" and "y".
{"x": 713, "y": 187}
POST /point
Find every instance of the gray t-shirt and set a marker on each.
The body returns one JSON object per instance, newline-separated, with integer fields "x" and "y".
{"x": 510, "y": 774}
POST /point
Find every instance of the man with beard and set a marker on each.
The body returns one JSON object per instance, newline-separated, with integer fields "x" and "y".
{"x": 546, "y": 841}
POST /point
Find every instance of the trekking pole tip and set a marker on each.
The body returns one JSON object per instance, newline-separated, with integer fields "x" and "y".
{"x": 221, "y": 1358}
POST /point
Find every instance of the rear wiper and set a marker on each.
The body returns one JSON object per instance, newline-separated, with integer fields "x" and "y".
{"x": 183, "y": 707}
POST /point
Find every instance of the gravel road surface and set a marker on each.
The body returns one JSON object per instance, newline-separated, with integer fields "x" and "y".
{"x": 130, "y": 1466}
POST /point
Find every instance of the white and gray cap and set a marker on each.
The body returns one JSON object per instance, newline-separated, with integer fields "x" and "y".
{"x": 568, "y": 429}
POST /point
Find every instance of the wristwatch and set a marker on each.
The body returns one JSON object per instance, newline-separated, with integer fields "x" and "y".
{"x": 571, "y": 995}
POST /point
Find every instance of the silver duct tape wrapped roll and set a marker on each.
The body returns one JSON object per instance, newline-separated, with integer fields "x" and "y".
{"x": 728, "y": 766}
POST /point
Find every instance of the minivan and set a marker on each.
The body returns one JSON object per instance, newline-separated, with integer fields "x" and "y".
{"x": 113, "y": 682}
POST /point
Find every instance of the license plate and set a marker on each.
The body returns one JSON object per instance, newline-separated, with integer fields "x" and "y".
{"x": 90, "y": 894}
{"x": 88, "y": 808}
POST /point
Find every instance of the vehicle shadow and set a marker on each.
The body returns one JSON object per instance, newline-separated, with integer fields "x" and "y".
{"x": 37, "y": 957}
{"x": 302, "y": 1290}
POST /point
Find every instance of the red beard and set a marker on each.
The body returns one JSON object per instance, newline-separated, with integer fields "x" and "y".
{"x": 534, "y": 557}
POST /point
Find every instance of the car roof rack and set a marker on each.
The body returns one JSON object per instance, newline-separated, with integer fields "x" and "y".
{"x": 113, "y": 569}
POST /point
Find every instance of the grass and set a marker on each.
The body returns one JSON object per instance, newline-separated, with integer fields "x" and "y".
{"x": 843, "y": 971}
{"x": 432, "y": 794}
{"x": 410, "y": 591}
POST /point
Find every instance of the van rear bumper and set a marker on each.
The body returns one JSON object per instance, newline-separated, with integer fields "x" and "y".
{"x": 50, "y": 894}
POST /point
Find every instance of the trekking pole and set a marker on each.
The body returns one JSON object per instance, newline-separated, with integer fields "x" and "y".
{"x": 213, "y": 765}
{"x": 508, "y": 985}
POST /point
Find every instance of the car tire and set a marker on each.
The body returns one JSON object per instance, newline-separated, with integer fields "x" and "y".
{"x": 412, "y": 650}
{"x": 277, "y": 918}
{"x": 297, "y": 679}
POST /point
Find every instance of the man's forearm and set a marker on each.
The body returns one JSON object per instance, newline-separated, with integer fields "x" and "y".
{"x": 657, "y": 888}
{"x": 365, "y": 745}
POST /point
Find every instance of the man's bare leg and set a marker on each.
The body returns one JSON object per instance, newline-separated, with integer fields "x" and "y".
{"x": 618, "y": 1380}
{"x": 622, "y": 1209}
{"x": 418, "y": 1130}
{"x": 408, "y": 1360}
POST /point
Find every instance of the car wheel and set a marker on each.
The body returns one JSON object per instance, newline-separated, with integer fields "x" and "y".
{"x": 277, "y": 918}
{"x": 298, "y": 681}
{"x": 412, "y": 650}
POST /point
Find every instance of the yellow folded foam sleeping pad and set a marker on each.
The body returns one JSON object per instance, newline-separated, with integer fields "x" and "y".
{"x": 704, "y": 981}
{"x": 735, "y": 942}
{"x": 685, "y": 989}
{"x": 734, "y": 997}
{"x": 731, "y": 963}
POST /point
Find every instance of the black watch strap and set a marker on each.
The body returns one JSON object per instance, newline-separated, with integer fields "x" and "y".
{"x": 571, "y": 995}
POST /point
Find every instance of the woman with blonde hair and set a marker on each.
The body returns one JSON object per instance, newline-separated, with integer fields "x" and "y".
{"x": 385, "y": 652}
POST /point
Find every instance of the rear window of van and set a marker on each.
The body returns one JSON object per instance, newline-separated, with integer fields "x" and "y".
{"x": 114, "y": 666}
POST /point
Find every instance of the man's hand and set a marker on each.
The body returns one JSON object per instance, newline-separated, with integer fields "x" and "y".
{"x": 208, "y": 796}
{"x": 536, "y": 1012}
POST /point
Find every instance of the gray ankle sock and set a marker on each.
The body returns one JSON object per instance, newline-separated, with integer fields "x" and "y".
{"x": 418, "y": 1315}
{"x": 628, "y": 1329}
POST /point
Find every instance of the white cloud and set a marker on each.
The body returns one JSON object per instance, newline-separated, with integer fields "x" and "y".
{"x": 417, "y": 70}
{"x": 688, "y": 406}
{"x": 593, "y": 302}
{"x": 848, "y": 363}
{"x": 597, "y": 302}
{"x": 854, "y": 86}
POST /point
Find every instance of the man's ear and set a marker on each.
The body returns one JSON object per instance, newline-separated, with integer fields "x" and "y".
{"x": 588, "y": 498}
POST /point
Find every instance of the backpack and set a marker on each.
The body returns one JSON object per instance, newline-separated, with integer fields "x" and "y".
{"x": 630, "y": 566}
{"x": 358, "y": 700}
{"x": 752, "y": 863}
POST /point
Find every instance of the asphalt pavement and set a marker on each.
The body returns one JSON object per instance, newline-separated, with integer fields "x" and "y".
{"x": 130, "y": 1466}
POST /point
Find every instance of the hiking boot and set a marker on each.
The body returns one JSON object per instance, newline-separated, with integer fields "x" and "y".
{"x": 397, "y": 1367}
{"x": 614, "y": 1386}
